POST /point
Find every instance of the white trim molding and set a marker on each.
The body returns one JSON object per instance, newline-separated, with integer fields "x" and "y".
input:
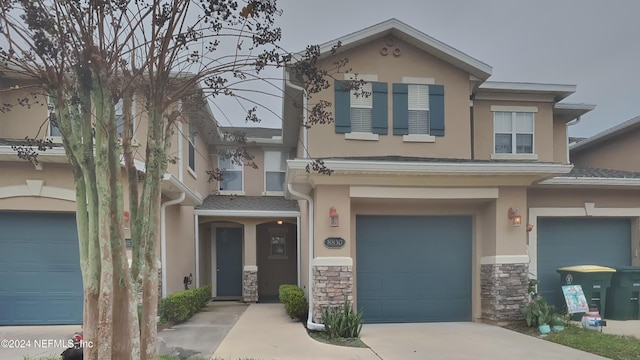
{"x": 591, "y": 181}
{"x": 333, "y": 261}
{"x": 361, "y": 136}
{"x": 365, "y": 77}
{"x": 387, "y": 192}
{"x": 250, "y": 268}
{"x": 38, "y": 189}
{"x": 247, "y": 213}
{"x": 588, "y": 210}
{"x": 504, "y": 259}
{"x": 530, "y": 109}
{"x": 418, "y": 80}
{"x": 419, "y": 138}
{"x": 503, "y": 156}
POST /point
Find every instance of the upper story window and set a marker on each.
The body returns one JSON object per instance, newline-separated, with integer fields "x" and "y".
{"x": 192, "y": 147}
{"x": 513, "y": 132}
{"x": 231, "y": 174}
{"x": 53, "y": 129}
{"x": 361, "y": 113}
{"x": 119, "y": 111}
{"x": 418, "y": 109}
{"x": 275, "y": 165}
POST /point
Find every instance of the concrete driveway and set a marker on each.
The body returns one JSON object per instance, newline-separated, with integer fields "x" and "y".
{"x": 16, "y": 342}
{"x": 452, "y": 341}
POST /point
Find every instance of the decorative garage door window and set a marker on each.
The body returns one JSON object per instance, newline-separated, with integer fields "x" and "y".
{"x": 278, "y": 246}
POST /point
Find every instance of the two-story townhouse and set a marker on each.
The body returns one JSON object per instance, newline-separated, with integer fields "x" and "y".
{"x": 39, "y": 258}
{"x": 447, "y": 190}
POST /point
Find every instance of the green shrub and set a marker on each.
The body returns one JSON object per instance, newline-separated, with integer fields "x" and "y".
{"x": 284, "y": 290}
{"x": 342, "y": 321}
{"x": 297, "y": 306}
{"x": 181, "y": 305}
{"x": 539, "y": 312}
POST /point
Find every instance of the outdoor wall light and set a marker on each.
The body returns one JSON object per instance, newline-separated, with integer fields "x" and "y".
{"x": 333, "y": 217}
{"x": 514, "y": 216}
{"x": 279, "y": 222}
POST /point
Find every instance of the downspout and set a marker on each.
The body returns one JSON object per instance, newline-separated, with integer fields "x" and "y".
{"x": 163, "y": 240}
{"x": 305, "y": 130}
{"x": 310, "y": 324}
{"x": 298, "y": 248}
{"x": 180, "y": 146}
{"x": 196, "y": 233}
{"x": 570, "y": 123}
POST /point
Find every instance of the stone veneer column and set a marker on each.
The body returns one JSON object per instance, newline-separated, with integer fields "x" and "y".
{"x": 503, "y": 286}
{"x": 250, "y": 284}
{"x": 332, "y": 281}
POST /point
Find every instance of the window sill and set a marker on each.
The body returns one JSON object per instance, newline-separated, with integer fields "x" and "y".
{"x": 419, "y": 138}
{"x": 273, "y": 193}
{"x": 514, "y": 156}
{"x": 192, "y": 173}
{"x": 361, "y": 136}
{"x": 278, "y": 257}
{"x": 230, "y": 192}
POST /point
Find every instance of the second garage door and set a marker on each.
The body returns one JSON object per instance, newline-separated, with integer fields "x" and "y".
{"x": 414, "y": 268}
{"x": 579, "y": 241}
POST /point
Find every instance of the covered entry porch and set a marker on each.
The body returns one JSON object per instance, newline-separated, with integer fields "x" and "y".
{"x": 247, "y": 246}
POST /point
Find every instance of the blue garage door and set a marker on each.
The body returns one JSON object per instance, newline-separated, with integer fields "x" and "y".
{"x": 579, "y": 241}
{"x": 40, "y": 279}
{"x": 413, "y": 268}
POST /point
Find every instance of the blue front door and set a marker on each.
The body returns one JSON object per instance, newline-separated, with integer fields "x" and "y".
{"x": 229, "y": 261}
{"x": 40, "y": 278}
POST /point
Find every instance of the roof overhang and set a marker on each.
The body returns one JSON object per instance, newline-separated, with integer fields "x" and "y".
{"x": 567, "y": 111}
{"x": 358, "y": 172}
{"x": 247, "y": 213}
{"x": 412, "y": 36}
{"x": 521, "y": 91}
{"x": 591, "y": 182}
{"x": 53, "y": 155}
{"x": 173, "y": 188}
{"x": 606, "y": 134}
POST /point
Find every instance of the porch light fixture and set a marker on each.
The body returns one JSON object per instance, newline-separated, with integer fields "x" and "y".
{"x": 279, "y": 222}
{"x": 514, "y": 216}
{"x": 333, "y": 217}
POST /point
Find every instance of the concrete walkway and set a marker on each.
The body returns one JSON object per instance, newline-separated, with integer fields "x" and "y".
{"x": 202, "y": 334}
{"x": 265, "y": 332}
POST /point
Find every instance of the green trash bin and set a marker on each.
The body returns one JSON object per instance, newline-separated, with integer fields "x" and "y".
{"x": 594, "y": 280}
{"x": 622, "y": 296}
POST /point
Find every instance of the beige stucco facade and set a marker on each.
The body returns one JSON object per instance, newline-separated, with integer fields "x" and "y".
{"x": 615, "y": 153}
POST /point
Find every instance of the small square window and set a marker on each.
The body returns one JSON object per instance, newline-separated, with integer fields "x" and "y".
{"x": 128, "y": 244}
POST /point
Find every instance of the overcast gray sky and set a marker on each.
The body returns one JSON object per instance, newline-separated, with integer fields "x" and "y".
{"x": 593, "y": 44}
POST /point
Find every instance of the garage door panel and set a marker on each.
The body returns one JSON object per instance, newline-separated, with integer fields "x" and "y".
{"x": 425, "y": 268}
{"x": 39, "y": 269}
{"x": 579, "y": 241}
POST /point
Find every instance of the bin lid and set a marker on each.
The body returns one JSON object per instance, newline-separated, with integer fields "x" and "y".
{"x": 587, "y": 268}
{"x": 628, "y": 269}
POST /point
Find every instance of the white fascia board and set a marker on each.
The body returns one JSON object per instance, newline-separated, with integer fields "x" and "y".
{"x": 591, "y": 181}
{"x": 264, "y": 141}
{"x": 521, "y": 86}
{"x": 247, "y": 213}
{"x": 56, "y": 151}
{"x": 574, "y": 106}
{"x": 440, "y": 167}
{"x": 197, "y": 199}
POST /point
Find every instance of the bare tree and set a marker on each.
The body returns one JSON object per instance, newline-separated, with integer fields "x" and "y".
{"x": 87, "y": 55}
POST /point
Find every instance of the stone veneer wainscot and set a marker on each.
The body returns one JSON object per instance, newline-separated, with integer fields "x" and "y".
{"x": 250, "y": 284}
{"x": 330, "y": 285}
{"x": 503, "y": 291}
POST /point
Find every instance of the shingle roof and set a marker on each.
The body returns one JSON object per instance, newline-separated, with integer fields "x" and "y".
{"x": 602, "y": 173}
{"x": 252, "y": 203}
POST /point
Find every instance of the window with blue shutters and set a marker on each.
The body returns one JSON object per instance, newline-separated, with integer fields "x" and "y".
{"x": 418, "y": 109}
{"x": 361, "y": 110}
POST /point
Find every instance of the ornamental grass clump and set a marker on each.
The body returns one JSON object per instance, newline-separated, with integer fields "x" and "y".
{"x": 342, "y": 321}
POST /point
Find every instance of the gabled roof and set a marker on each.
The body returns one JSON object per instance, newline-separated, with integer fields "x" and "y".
{"x": 606, "y": 134}
{"x": 414, "y": 37}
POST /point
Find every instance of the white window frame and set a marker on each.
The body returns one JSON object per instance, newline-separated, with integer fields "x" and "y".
{"x": 266, "y": 170}
{"x": 191, "y": 143}
{"x": 241, "y": 169}
{"x": 514, "y": 155}
{"x": 419, "y": 138}
{"x": 363, "y": 136}
{"x": 51, "y": 110}
{"x": 278, "y": 233}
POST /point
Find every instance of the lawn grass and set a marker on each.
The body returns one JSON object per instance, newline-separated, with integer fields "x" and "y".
{"x": 615, "y": 347}
{"x": 611, "y": 346}
{"x": 322, "y": 337}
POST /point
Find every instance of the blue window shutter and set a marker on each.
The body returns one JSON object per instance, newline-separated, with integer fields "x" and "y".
{"x": 342, "y": 107}
{"x": 400, "y": 109}
{"x": 436, "y": 109}
{"x": 380, "y": 113}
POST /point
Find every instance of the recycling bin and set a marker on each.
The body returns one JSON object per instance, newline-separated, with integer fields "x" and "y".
{"x": 622, "y": 296}
{"x": 594, "y": 281}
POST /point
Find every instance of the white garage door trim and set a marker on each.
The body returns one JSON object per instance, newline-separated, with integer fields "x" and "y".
{"x": 588, "y": 210}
